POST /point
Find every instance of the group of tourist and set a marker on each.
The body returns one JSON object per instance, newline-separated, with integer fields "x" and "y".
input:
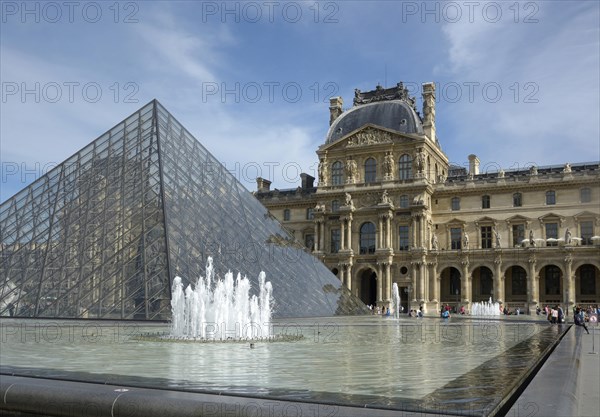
{"x": 508, "y": 312}
{"x": 555, "y": 315}
{"x": 385, "y": 311}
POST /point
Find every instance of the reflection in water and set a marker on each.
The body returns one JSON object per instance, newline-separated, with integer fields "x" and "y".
{"x": 405, "y": 363}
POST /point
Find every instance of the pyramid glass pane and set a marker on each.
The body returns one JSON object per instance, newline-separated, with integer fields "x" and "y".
{"x": 103, "y": 234}
{"x": 87, "y": 240}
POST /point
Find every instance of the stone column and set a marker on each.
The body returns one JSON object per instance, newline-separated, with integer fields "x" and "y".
{"x": 569, "y": 281}
{"x": 322, "y": 248}
{"x": 390, "y": 234}
{"x": 415, "y": 280}
{"x": 379, "y": 284}
{"x": 316, "y": 240}
{"x": 465, "y": 281}
{"x": 343, "y": 234}
{"x": 413, "y": 231}
{"x": 421, "y": 273}
{"x": 532, "y": 287}
{"x": 433, "y": 285}
{"x": 498, "y": 280}
{"x": 380, "y": 232}
{"x": 349, "y": 232}
{"x": 349, "y": 276}
{"x": 388, "y": 281}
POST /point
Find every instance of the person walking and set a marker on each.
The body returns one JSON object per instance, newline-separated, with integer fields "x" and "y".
{"x": 580, "y": 319}
{"x": 561, "y": 315}
{"x": 554, "y": 315}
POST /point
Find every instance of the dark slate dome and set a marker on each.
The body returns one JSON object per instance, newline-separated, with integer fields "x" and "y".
{"x": 396, "y": 115}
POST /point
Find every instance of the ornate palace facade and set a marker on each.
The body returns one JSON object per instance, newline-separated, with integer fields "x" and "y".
{"x": 389, "y": 208}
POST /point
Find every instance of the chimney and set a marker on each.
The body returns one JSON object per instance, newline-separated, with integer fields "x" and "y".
{"x": 307, "y": 181}
{"x": 429, "y": 110}
{"x": 335, "y": 108}
{"x": 473, "y": 165}
{"x": 263, "y": 185}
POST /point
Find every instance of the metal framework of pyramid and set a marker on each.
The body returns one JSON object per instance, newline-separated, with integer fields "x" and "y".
{"x": 104, "y": 234}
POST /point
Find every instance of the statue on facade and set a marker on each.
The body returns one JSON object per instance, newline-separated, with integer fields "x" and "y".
{"x": 465, "y": 241}
{"x": 351, "y": 170}
{"x": 320, "y": 207}
{"x": 533, "y": 170}
{"x": 567, "y": 168}
{"x": 497, "y": 237}
{"x": 385, "y": 198}
{"x": 434, "y": 242}
{"x": 323, "y": 172}
{"x": 349, "y": 202}
{"x": 388, "y": 166}
{"x": 420, "y": 161}
{"x": 531, "y": 238}
{"x": 501, "y": 173}
{"x": 568, "y": 237}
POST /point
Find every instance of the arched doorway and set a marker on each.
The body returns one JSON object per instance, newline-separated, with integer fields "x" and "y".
{"x": 450, "y": 291}
{"x": 515, "y": 284}
{"x": 551, "y": 288}
{"x": 483, "y": 284}
{"x": 368, "y": 287}
{"x": 587, "y": 284}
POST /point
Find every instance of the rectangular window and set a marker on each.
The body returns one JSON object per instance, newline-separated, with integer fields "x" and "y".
{"x": 403, "y": 238}
{"x": 455, "y": 237}
{"x": 518, "y": 234}
{"x": 335, "y": 205}
{"x": 552, "y": 233}
{"x": 550, "y": 198}
{"x": 486, "y": 237}
{"x": 455, "y": 204}
{"x": 335, "y": 240}
{"x": 517, "y": 200}
{"x": 586, "y": 195}
{"x": 309, "y": 241}
{"x": 485, "y": 202}
{"x": 310, "y": 213}
{"x": 587, "y": 231}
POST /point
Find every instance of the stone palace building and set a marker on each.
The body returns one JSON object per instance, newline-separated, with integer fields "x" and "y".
{"x": 389, "y": 208}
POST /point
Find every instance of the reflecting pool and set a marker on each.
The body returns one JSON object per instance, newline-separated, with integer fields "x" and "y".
{"x": 466, "y": 366}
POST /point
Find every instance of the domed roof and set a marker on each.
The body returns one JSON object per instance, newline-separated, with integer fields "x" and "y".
{"x": 396, "y": 115}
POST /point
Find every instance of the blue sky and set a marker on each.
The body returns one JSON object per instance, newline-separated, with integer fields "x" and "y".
{"x": 518, "y": 82}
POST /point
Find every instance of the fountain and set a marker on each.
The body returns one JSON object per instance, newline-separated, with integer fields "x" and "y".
{"x": 485, "y": 308}
{"x": 396, "y": 300}
{"x": 225, "y": 312}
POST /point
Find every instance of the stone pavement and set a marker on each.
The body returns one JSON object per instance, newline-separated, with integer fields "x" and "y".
{"x": 589, "y": 376}
{"x": 568, "y": 384}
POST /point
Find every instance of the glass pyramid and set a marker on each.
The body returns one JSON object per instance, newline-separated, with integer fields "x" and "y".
{"x": 103, "y": 234}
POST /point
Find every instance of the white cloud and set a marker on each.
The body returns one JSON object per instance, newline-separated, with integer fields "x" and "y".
{"x": 554, "y": 65}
